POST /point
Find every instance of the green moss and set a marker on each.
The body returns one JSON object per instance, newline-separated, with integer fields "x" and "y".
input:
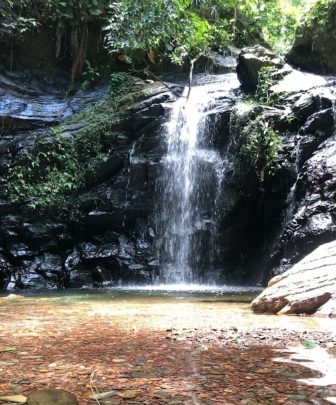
{"x": 58, "y": 165}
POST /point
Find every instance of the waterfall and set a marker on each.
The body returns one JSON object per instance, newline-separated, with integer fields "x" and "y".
{"x": 189, "y": 186}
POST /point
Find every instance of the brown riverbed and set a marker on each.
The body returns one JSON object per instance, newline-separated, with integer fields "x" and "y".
{"x": 160, "y": 348}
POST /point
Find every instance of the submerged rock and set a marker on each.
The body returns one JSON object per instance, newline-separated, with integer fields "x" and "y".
{"x": 307, "y": 286}
{"x": 50, "y": 396}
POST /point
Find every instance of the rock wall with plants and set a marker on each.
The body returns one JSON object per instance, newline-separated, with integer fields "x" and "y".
{"x": 314, "y": 48}
{"x": 301, "y": 108}
{"x": 77, "y": 201}
{"x": 73, "y": 208}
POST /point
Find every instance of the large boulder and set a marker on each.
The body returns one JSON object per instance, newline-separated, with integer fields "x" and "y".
{"x": 314, "y": 48}
{"x": 251, "y": 60}
{"x": 304, "y": 288}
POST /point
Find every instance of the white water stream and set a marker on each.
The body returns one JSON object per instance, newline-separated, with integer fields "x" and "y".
{"x": 190, "y": 183}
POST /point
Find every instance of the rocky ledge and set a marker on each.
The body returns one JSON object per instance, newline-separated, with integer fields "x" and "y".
{"x": 308, "y": 287}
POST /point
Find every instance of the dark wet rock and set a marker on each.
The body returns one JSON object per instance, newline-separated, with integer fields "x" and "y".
{"x": 72, "y": 261}
{"x": 314, "y": 47}
{"x": 322, "y": 122}
{"x": 313, "y": 220}
{"x": 319, "y": 127}
{"x": 50, "y": 396}
{"x": 107, "y": 169}
{"x": 5, "y": 272}
{"x": 251, "y": 60}
{"x": 39, "y": 236}
{"x": 158, "y": 95}
{"x": 216, "y": 63}
{"x": 304, "y": 288}
{"x": 7, "y": 207}
{"x": 99, "y": 221}
{"x": 50, "y": 264}
{"x": 21, "y": 113}
{"x": 89, "y": 251}
{"x": 305, "y": 106}
{"x": 21, "y": 251}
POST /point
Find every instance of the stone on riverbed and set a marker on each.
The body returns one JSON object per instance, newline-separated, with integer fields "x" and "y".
{"x": 50, "y": 396}
{"x": 308, "y": 286}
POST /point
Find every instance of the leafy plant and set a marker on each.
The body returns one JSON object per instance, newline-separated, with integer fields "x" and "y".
{"x": 91, "y": 75}
{"x": 12, "y": 23}
{"x": 322, "y": 13}
{"x": 174, "y": 29}
{"x": 266, "y": 80}
{"x": 260, "y": 148}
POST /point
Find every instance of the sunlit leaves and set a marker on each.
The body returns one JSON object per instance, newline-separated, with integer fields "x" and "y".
{"x": 170, "y": 28}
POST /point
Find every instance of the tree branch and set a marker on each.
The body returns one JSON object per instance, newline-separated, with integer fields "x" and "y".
{"x": 191, "y": 70}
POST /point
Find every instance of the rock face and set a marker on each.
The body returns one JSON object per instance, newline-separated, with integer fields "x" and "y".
{"x": 263, "y": 229}
{"x": 314, "y": 48}
{"x": 50, "y": 396}
{"x": 308, "y": 286}
{"x": 305, "y": 121}
{"x": 110, "y": 239}
{"x": 251, "y": 61}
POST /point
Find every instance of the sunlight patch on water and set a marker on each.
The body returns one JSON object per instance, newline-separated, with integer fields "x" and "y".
{"x": 316, "y": 358}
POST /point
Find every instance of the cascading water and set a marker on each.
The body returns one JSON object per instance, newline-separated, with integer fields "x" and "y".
{"x": 189, "y": 186}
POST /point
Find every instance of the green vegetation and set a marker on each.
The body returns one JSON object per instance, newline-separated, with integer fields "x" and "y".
{"x": 69, "y": 19}
{"x": 322, "y": 14}
{"x": 263, "y": 93}
{"x": 59, "y": 165}
{"x": 182, "y": 29}
{"x": 248, "y": 22}
{"x": 152, "y": 30}
{"x": 260, "y": 148}
{"x": 267, "y": 78}
{"x": 14, "y": 23}
{"x": 168, "y": 27}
